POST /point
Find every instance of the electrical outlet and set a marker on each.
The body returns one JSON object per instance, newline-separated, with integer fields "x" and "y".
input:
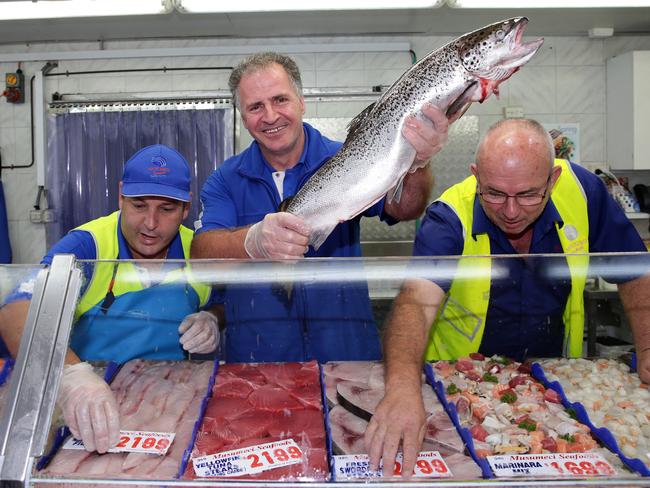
{"x": 35, "y": 216}
{"x": 49, "y": 215}
{"x": 513, "y": 112}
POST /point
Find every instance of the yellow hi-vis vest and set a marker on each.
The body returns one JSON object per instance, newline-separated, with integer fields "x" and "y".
{"x": 104, "y": 232}
{"x": 458, "y": 328}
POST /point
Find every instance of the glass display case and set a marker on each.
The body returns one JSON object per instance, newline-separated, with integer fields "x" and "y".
{"x": 286, "y": 397}
{"x": 32, "y": 384}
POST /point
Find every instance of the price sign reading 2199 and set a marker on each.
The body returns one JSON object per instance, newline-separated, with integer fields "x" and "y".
{"x": 270, "y": 457}
{"x": 134, "y": 441}
{"x": 248, "y": 460}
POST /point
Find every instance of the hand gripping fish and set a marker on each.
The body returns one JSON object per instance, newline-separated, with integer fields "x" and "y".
{"x": 375, "y": 156}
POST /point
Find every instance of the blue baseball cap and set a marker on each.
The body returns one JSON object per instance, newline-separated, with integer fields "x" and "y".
{"x": 159, "y": 171}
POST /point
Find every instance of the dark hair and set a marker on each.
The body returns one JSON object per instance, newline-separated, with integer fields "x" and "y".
{"x": 259, "y": 61}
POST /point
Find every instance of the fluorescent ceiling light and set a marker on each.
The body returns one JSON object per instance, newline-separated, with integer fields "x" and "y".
{"x": 547, "y": 3}
{"x": 59, "y": 9}
{"x": 205, "y": 6}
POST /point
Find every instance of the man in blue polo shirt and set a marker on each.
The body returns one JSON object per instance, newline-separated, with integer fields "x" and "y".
{"x": 126, "y": 310}
{"x": 519, "y": 200}
{"x": 240, "y": 220}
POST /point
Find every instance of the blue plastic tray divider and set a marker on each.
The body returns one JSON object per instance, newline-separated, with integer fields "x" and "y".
{"x": 328, "y": 430}
{"x": 464, "y": 433}
{"x": 603, "y": 434}
{"x": 112, "y": 369}
{"x": 204, "y": 404}
{"x": 6, "y": 370}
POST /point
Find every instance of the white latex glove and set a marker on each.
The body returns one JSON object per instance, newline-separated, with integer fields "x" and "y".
{"x": 89, "y": 407}
{"x": 199, "y": 333}
{"x": 418, "y": 164}
{"x": 279, "y": 236}
{"x": 427, "y": 134}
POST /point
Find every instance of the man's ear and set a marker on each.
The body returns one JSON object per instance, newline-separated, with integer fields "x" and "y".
{"x": 555, "y": 174}
{"x": 474, "y": 169}
{"x": 186, "y": 208}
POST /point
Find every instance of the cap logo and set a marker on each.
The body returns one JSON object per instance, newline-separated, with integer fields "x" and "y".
{"x": 159, "y": 166}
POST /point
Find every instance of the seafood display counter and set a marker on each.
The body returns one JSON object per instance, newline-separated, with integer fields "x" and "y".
{"x": 31, "y": 384}
{"x": 205, "y": 422}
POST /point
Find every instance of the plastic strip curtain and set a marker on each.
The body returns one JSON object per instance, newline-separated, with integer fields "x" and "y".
{"x": 89, "y": 144}
{"x": 5, "y": 244}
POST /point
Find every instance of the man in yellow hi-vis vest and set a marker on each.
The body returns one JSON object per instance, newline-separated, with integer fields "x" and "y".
{"x": 519, "y": 200}
{"x": 127, "y": 310}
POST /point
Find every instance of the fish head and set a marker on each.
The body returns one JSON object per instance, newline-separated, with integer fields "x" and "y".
{"x": 496, "y": 51}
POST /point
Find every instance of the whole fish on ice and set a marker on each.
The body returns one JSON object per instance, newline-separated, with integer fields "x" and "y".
{"x": 375, "y": 156}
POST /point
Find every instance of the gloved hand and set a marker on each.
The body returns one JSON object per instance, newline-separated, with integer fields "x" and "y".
{"x": 199, "y": 333}
{"x": 89, "y": 407}
{"x": 418, "y": 164}
{"x": 427, "y": 134}
{"x": 279, "y": 236}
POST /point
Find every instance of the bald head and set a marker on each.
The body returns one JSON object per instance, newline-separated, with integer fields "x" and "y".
{"x": 514, "y": 167}
{"x": 521, "y": 144}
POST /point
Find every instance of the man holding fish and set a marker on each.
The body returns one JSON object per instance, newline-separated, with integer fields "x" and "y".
{"x": 519, "y": 200}
{"x": 240, "y": 219}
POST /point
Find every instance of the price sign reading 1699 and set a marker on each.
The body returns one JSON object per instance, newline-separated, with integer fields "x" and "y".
{"x": 576, "y": 465}
{"x": 583, "y": 468}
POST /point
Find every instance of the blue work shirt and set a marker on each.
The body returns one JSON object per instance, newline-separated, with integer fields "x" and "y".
{"x": 134, "y": 324}
{"x": 524, "y": 317}
{"x": 325, "y": 322}
{"x": 81, "y": 244}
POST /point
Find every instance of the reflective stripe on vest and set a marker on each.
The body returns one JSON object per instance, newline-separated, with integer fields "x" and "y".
{"x": 104, "y": 233}
{"x": 458, "y": 328}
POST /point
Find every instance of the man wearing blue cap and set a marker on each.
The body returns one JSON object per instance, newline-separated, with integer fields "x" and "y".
{"x": 127, "y": 310}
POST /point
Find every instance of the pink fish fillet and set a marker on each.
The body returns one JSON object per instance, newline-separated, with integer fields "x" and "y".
{"x": 358, "y": 371}
{"x": 273, "y": 399}
{"x": 227, "y": 408}
{"x": 347, "y": 431}
{"x": 359, "y": 398}
{"x": 233, "y": 387}
{"x": 66, "y": 461}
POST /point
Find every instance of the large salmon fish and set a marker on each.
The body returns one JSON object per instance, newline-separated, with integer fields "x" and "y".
{"x": 375, "y": 156}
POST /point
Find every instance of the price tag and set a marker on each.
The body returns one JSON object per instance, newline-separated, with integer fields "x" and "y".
{"x": 248, "y": 460}
{"x": 134, "y": 441}
{"x": 429, "y": 464}
{"x": 577, "y": 465}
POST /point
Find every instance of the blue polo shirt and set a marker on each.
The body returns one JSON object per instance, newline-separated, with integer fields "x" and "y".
{"x": 81, "y": 244}
{"x": 323, "y": 322}
{"x": 524, "y": 318}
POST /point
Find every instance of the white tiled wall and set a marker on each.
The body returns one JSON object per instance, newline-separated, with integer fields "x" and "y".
{"x": 565, "y": 82}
